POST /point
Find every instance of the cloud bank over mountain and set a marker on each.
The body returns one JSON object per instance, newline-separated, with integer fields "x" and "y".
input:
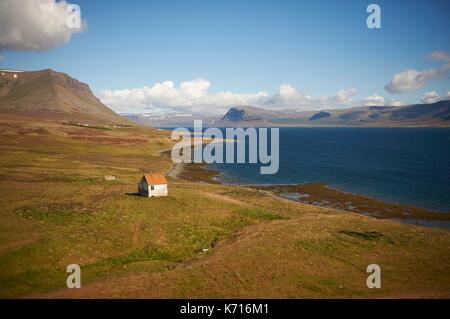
{"x": 193, "y": 97}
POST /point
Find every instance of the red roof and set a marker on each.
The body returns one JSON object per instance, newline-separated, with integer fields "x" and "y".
{"x": 155, "y": 178}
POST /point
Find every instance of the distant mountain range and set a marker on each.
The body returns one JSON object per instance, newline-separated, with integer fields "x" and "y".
{"x": 55, "y": 96}
{"x": 436, "y": 114}
{"x": 169, "y": 120}
{"x": 428, "y": 115}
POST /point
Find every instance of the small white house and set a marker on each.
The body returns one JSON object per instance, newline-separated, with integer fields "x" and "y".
{"x": 153, "y": 184}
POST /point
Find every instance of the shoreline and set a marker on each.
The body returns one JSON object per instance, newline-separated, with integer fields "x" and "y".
{"x": 322, "y": 195}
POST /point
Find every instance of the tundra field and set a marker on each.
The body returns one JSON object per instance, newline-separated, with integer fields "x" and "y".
{"x": 203, "y": 240}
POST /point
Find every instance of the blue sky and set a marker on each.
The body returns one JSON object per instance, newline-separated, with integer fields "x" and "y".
{"x": 317, "y": 47}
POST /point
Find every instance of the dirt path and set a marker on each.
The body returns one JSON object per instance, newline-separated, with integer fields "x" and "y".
{"x": 176, "y": 170}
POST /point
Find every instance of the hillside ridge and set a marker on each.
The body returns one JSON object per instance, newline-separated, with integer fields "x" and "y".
{"x": 52, "y": 95}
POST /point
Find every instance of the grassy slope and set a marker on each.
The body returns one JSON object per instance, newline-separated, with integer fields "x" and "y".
{"x": 57, "y": 209}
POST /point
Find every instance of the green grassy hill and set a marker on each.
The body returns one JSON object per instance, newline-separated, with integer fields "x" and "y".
{"x": 202, "y": 240}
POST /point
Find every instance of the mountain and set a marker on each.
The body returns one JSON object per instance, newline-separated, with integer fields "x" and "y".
{"x": 170, "y": 119}
{"x": 247, "y": 116}
{"x": 55, "y": 96}
{"x": 244, "y": 113}
{"x": 435, "y": 115}
{"x": 320, "y": 115}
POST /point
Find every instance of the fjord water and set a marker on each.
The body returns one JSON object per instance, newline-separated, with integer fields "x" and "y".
{"x": 399, "y": 165}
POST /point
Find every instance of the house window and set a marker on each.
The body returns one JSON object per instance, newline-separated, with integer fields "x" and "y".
{"x": 152, "y": 188}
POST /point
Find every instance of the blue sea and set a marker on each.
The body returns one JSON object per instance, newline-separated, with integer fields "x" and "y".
{"x": 398, "y": 165}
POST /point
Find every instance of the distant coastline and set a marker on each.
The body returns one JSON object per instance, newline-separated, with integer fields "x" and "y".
{"x": 435, "y": 114}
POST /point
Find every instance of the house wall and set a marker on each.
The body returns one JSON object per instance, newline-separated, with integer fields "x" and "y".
{"x": 143, "y": 188}
{"x": 159, "y": 190}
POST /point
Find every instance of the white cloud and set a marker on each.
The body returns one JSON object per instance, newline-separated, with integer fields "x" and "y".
{"x": 286, "y": 97}
{"x": 344, "y": 97}
{"x": 431, "y": 97}
{"x": 379, "y": 100}
{"x": 439, "y": 56}
{"x": 448, "y": 94}
{"x": 35, "y": 25}
{"x": 193, "y": 97}
{"x": 412, "y": 80}
{"x": 396, "y": 103}
{"x": 407, "y": 80}
{"x": 291, "y": 98}
{"x": 375, "y": 100}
